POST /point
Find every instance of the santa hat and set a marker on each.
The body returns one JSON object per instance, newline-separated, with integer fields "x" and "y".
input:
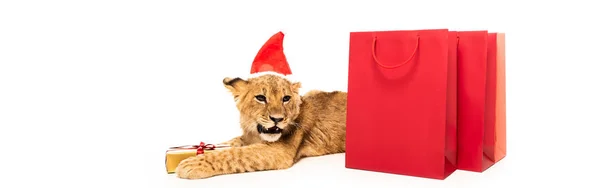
{"x": 270, "y": 59}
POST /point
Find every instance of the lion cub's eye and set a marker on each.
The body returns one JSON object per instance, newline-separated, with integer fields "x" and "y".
{"x": 261, "y": 98}
{"x": 286, "y": 98}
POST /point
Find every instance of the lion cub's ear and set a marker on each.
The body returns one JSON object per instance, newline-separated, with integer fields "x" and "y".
{"x": 235, "y": 85}
{"x": 296, "y": 87}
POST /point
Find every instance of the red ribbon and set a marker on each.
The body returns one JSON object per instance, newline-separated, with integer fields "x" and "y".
{"x": 199, "y": 148}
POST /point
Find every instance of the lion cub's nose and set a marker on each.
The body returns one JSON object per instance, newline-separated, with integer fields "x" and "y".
{"x": 276, "y": 119}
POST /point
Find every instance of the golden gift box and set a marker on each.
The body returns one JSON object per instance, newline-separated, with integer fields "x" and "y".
{"x": 175, "y": 155}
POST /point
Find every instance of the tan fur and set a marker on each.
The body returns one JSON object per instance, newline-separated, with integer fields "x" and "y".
{"x": 313, "y": 125}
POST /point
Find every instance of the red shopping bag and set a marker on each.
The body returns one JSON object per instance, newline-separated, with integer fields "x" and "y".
{"x": 499, "y": 141}
{"x": 481, "y": 112}
{"x": 401, "y": 110}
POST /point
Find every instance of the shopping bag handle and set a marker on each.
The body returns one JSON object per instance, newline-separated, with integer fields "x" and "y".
{"x": 393, "y": 66}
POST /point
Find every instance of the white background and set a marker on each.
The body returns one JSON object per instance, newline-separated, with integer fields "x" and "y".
{"x": 93, "y": 92}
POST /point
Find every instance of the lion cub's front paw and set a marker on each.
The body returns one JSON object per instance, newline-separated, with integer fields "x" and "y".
{"x": 194, "y": 168}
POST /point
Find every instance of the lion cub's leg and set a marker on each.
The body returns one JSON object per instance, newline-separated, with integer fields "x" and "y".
{"x": 256, "y": 157}
{"x": 235, "y": 142}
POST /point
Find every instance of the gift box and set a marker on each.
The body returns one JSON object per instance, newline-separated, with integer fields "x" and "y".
{"x": 174, "y": 155}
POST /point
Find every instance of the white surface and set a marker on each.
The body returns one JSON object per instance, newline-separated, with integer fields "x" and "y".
{"x": 93, "y": 92}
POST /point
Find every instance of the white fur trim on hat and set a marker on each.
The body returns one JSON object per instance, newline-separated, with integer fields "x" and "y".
{"x": 289, "y": 77}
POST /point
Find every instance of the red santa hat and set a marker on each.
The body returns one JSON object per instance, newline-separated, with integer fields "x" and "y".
{"x": 270, "y": 59}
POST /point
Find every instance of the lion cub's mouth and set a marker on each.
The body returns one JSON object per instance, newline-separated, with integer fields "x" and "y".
{"x": 272, "y": 130}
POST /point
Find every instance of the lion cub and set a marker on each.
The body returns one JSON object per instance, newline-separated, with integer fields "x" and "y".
{"x": 279, "y": 128}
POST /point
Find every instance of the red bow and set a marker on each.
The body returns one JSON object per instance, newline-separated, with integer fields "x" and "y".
{"x": 199, "y": 148}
